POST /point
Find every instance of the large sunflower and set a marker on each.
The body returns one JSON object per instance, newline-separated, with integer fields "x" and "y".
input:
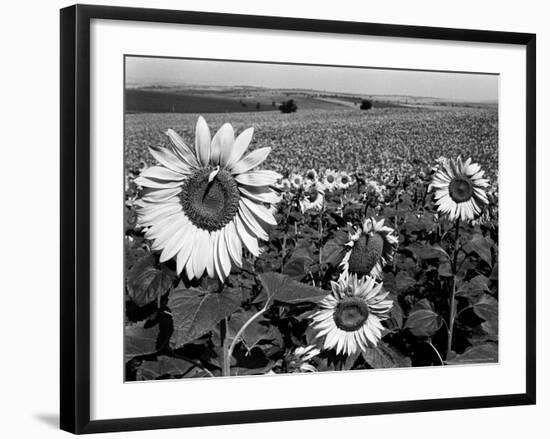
{"x": 350, "y": 317}
{"x": 203, "y": 204}
{"x": 460, "y": 189}
{"x": 370, "y": 248}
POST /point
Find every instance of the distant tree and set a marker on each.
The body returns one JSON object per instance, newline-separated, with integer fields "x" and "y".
{"x": 257, "y": 105}
{"x": 288, "y": 106}
{"x": 365, "y": 104}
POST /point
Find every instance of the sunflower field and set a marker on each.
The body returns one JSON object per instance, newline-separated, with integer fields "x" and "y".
{"x": 324, "y": 240}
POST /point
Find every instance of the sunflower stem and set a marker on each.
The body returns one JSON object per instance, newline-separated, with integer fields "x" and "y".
{"x": 426, "y": 191}
{"x": 366, "y": 209}
{"x": 321, "y": 238}
{"x": 452, "y": 311}
{"x": 436, "y": 351}
{"x": 226, "y": 371}
{"x": 283, "y": 246}
{"x": 397, "y": 231}
{"x": 239, "y": 334}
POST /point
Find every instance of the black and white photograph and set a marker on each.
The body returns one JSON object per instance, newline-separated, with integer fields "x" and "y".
{"x": 270, "y": 220}
{"x": 294, "y": 218}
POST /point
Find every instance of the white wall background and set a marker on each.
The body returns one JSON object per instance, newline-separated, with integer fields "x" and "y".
{"x": 29, "y": 182}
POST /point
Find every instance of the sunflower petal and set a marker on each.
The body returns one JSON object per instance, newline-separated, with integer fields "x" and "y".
{"x": 247, "y": 237}
{"x": 184, "y": 152}
{"x": 260, "y": 211}
{"x": 239, "y": 147}
{"x": 234, "y": 244}
{"x": 156, "y": 183}
{"x": 258, "y": 178}
{"x": 162, "y": 173}
{"x": 165, "y": 231}
{"x": 260, "y": 194}
{"x": 185, "y": 251}
{"x": 202, "y": 141}
{"x": 252, "y": 223}
{"x": 200, "y": 256}
{"x": 222, "y": 145}
{"x": 175, "y": 243}
{"x": 159, "y": 195}
{"x": 209, "y": 250}
{"x": 215, "y": 258}
{"x": 150, "y": 216}
{"x": 250, "y": 161}
{"x": 223, "y": 254}
{"x": 168, "y": 159}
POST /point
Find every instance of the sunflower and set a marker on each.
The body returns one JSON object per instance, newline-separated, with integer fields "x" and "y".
{"x": 285, "y": 185}
{"x": 299, "y": 360}
{"x": 460, "y": 189}
{"x": 297, "y": 181}
{"x": 439, "y": 162}
{"x": 202, "y": 205}
{"x": 370, "y": 248}
{"x": 314, "y": 198}
{"x": 344, "y": 180}
{"x": 311, "y": 176}
{"x": 330, "y": 179}
{"x": 375, "y": 192}
{"x": 350, "y": 316}
{"x": 143, "y": 165}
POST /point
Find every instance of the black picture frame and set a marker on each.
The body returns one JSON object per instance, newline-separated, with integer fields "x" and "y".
{"x": 75, "y": 217}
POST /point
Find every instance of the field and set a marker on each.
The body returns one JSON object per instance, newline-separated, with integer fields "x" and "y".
{"x": 442, "y": 278}
{"x": 398, "y": 140}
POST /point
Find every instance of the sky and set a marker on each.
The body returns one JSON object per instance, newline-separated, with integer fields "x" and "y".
{"x": 363, "y": 81}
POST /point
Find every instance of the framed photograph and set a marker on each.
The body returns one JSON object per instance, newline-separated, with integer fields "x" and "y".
{"x": 283, "y": 218}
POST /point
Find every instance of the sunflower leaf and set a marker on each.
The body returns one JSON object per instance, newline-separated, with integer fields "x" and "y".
{"x": 195, "y": 312}
{"x": 139, "y": 340}
{"x": 487, "y": 308}
{"x": 485, "y": 353}
{"x": 474, "y": 289}
{"x": 297, "y": 268}
{"x": 256, "y": 332}
{"x": 333, "y": 252}
{"x": 145, "y": 282}
{"x": 283, "y": 289}
{"x": 423, "y": 322}
{"x": 165, "y": 367}
{"x": 340, "y": 221}
{"x": 480, "y": 245}
{"x": 445, "y": 269}
{"x": 423, "y": 304}
{"x": 300, "y": 261}
{"x": 396, "y": 315}
{"x": 384, "y": 356}
{"x": 303, "y": 250}
{"x": 423, "y": 251}
{"x": 403, "y": 281}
